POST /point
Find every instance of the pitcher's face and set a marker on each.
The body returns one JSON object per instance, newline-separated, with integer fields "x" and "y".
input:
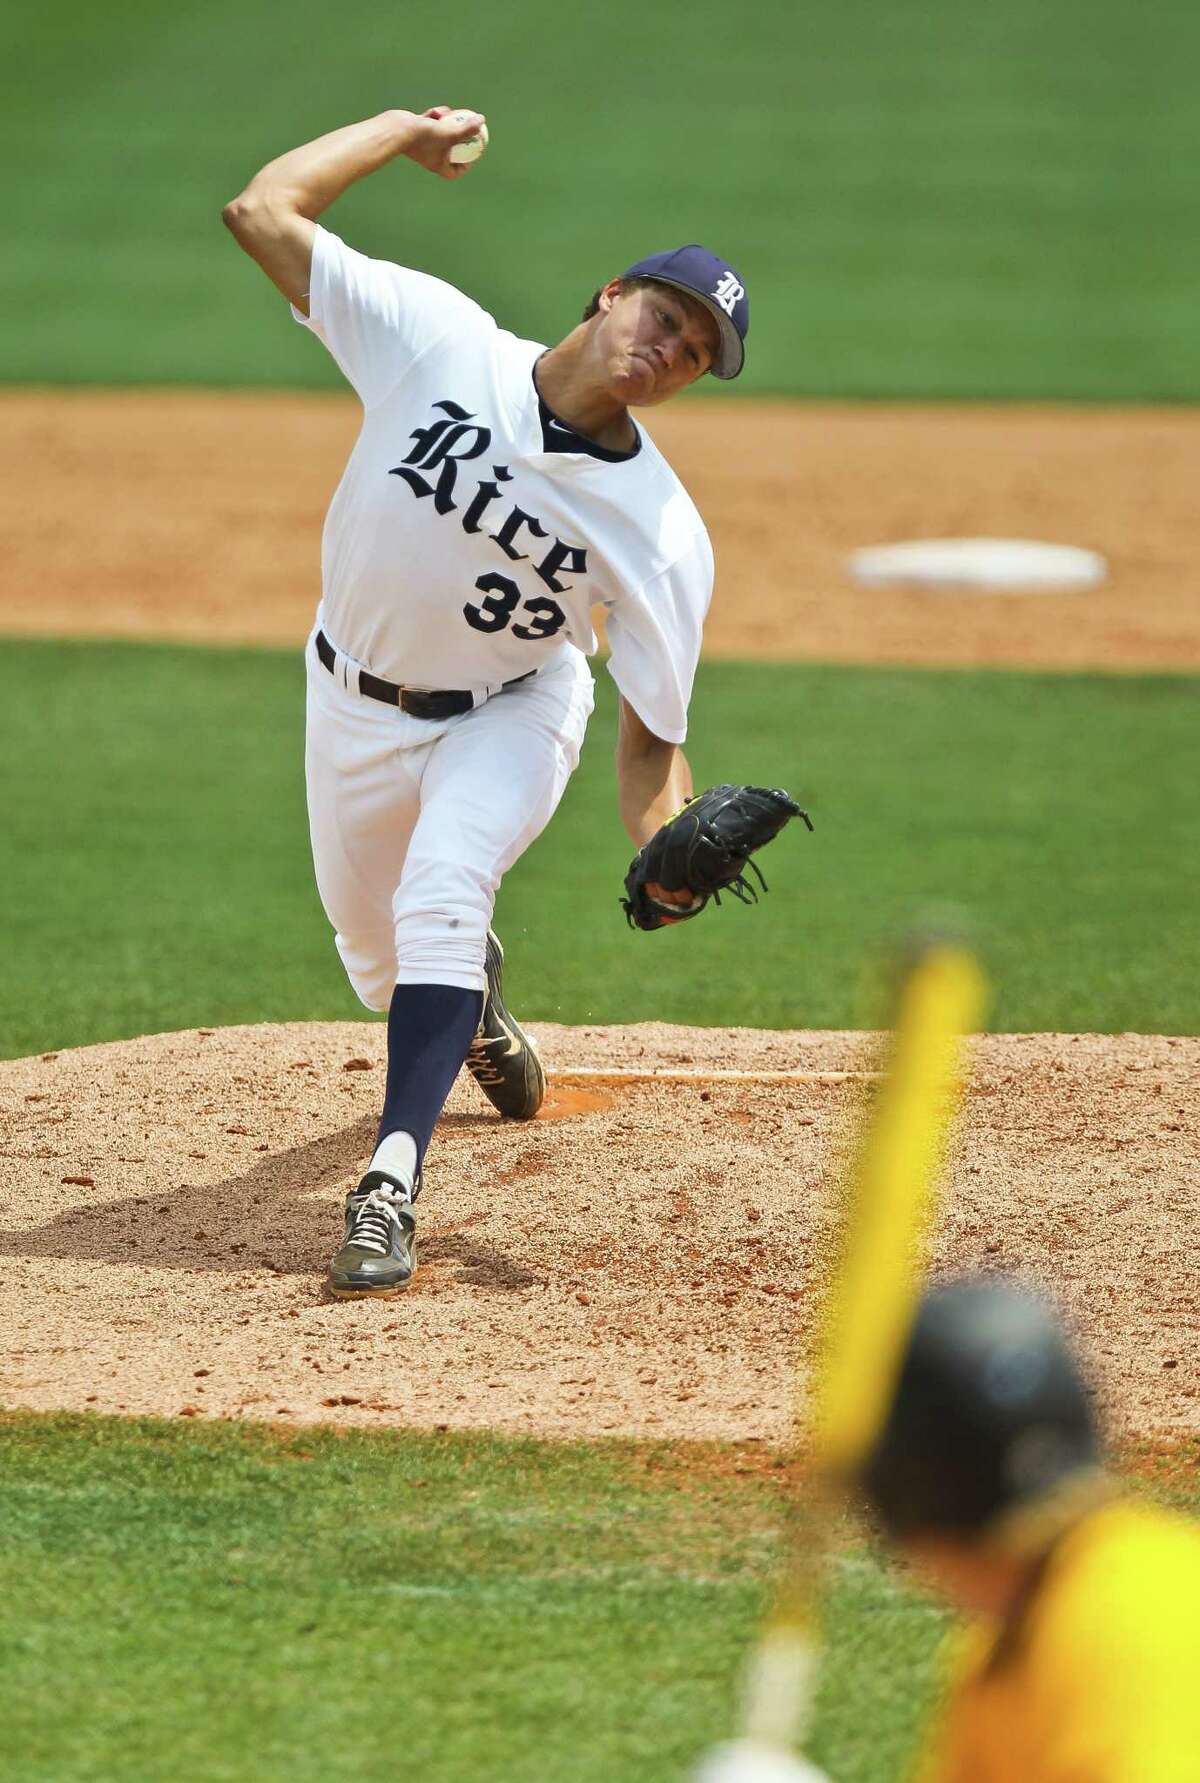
{"x": 655, "y": 340}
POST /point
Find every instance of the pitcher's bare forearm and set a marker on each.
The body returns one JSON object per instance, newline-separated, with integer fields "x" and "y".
{"x": 653, "y": 777}
{"x": 309, "y": 178}
{"x": 273, "y": 218}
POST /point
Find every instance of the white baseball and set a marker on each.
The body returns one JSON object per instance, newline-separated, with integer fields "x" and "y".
{"x": 463, "y": 153}
{"x": 743, "y": 1761}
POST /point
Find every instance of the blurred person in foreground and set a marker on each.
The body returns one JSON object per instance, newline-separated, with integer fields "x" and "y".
{"x": 1081, "y": 1659}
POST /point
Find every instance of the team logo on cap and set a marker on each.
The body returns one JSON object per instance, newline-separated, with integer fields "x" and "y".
{"x": 728, "y": 292}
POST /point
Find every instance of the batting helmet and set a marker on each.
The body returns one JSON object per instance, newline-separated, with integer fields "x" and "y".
{"x": 990, "y": 1411}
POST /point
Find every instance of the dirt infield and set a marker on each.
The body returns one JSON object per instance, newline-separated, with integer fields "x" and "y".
{"x": 198, "y": 516}
{"x": 645, "y": 1261}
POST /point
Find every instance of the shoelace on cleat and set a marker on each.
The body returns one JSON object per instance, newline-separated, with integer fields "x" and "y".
{"x": 480, "y": 1063}
{"x": 371, "y": 1223}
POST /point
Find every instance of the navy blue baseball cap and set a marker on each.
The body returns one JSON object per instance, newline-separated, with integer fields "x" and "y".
{"x": 717, "y": 286}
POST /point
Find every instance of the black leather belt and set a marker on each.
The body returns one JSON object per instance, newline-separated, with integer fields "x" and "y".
{"x": 417, "y": 702}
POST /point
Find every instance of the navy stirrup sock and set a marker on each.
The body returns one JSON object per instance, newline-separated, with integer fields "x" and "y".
{"x": 430, "y": 1030}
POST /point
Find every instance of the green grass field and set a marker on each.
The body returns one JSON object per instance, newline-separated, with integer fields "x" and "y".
{"x": 224, "y": 1603}
{"x": 158, "y": 874}
{"x": 235, "y": 1603}
{"x": 929, "y": 200}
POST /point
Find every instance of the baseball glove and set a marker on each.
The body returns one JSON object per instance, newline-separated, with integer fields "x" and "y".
{"x": 705, "y": 849}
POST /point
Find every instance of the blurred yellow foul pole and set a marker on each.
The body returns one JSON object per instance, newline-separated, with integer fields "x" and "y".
{"x": 870, "y": 1302}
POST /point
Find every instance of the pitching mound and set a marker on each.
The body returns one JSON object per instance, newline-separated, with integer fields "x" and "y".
{"x": 644, "y": 1261}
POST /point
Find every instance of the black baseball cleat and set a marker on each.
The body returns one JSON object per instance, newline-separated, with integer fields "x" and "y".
{"x": 379, "y": 1252}
{"x": 503, "y": 1060}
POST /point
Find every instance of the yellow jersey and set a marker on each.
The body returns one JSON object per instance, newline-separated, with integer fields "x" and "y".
{"x": 1100, "y": 1680}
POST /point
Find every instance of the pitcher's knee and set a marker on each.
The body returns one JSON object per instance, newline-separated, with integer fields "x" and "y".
{"x": 443, "y": 944}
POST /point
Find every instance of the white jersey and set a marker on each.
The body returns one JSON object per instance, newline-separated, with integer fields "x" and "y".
{"x": 460, "y": 549}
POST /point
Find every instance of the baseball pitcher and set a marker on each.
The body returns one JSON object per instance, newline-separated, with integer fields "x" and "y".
{"x": 497, "y": 491}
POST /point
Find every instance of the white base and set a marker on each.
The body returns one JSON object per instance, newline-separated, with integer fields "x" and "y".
{"x": 1020, "y": 565}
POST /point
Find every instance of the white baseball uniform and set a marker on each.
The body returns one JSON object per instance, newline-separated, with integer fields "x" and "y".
{"x": 469, "y": 538}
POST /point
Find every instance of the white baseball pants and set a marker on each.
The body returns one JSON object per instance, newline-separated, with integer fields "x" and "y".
{"x": 413, "y": 824}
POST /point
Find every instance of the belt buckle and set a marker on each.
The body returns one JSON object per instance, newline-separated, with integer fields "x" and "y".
{"x": 421, "y": 702}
